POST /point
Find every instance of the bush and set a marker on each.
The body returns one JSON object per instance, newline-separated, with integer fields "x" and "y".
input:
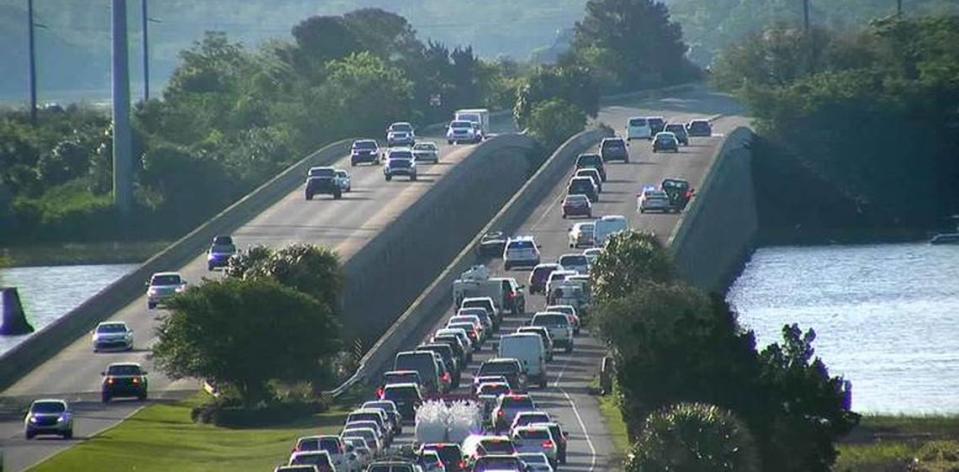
{"x": 230, "y": 414}
{"x": 630, "y": 258}
{"x": 554, "y": 121}
{"x": 693, "y": 437}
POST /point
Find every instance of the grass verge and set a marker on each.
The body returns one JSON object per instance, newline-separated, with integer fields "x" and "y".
{"x": 162, "y": 437}
{"x": 900, "y": 443}
{"x": 609, "y": 408}
{"x": 123, "y": 252}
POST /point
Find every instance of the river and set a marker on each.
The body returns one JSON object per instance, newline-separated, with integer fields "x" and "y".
{"x": 886, "y": 317}
{"x": 47, "y": 293}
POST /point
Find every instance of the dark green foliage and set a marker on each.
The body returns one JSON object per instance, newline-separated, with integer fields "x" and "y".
{"x": 245, "y": 333}
{"x": 693, "y": 437}
{"x": 312, "y": 270}
{"x": 875, "y": 115}
{"x": 572, "y": 84}
{"x": 631, "y": 258}
{"x": 552, "y": 122}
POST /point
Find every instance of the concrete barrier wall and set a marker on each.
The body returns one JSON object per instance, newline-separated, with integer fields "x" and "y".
{"x": 387, "y": 274}
{"x": 429, "y": 307}
{"x": 79, "y": 321}
{"x": 715, "y": 236}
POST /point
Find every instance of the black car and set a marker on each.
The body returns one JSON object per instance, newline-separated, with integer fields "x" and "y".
{"x": 125, "y": 379}
{"x": 393, "y": 466}
{"x": 592, "y": 160}
{"x": 679, "y": 130}
{"x": 679, "y": 192}
{"x": 364, "y": 150}
{"x": 665, "y": 142}
{"x": 699, "y": 128}
{"x": 492, "y": 244}
{"x": 323, "y": 182}
{"x": 583, "y": 186}
{"x": 449, "y": 358}
{"x": 507, "y": 367}
{"x": 614, "y": 149}
{"x": 220, "y": 252}
{"x": 656, "y": 124}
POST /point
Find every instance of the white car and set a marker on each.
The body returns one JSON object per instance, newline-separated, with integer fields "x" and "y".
{"x": 653, "y": 199}
{"x": 426, "y": 151}
{"x": 535, "y": 439}
{"x": 359, "y": 447}
{"x": 558, "y": 276}
{"x": 607, "y": 226}
{"x": 343, "y": 459}
{"x": 581, "y": 234}
{"x": 462, "y": 131}
{"x": 321, "y": 459}
{"x": 535, "y": 462}
{"x": 400, "y": 134}
{"x": 520, "y": 251}
{"x": 400, "y": 162}
{"x": 48, "y": 416}
{"x": 112, "y": 335}
{"x": 574, "y": 262}
{"x": 560, "y": 329}
{"x": 162, "y": 286}
{"x": 638, "y": 127}
{"x": 343, "y": 179}
{"x": 592, "y": 254}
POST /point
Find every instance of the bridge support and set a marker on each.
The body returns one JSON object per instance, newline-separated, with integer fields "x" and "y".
{"x": 14, "y": 321}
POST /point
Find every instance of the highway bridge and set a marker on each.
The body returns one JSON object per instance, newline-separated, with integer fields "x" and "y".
{"x": 347, "y": 225}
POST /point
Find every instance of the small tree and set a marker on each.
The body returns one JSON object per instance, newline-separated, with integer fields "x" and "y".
{"x": 554, "y": 121}
{"x": 630, "y": 258}
{"x": 245, "y": 333}
{"x": 693, "y": 437}
{"x": 310, "y": 269}
{"x": 573, "y": 84}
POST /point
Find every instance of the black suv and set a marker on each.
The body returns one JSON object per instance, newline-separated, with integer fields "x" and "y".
{"x": 323, "y": 181}
{"x": 614, "y": 149}
{"x": 583, "y": 186}
{"x": 364, "y": 150}
{"x": 679, "y": 130}
{"x": 592, "y": 160}
{"x": 126, "y": 379}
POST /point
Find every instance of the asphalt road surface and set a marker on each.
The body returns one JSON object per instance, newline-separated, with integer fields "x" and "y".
{"x": 345, "y": 225}
{"x": 567, "y": 398}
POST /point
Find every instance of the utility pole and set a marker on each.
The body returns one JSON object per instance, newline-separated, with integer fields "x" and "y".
{"x": 899, "y": 8}
{"x": 146, "y": 52}
{"x": 805, "y": 15}
{"x": 122, "y": 146}
{"x": 33, "y": 64}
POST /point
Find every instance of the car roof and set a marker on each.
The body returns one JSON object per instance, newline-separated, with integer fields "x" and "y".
{"x": 165, "y": 273}
{"x": 124, "y": 323}
{"x": 613, "y": 218}
{"x": 50, "y": 400}
{"x": 520, "y": 238}
{"x": 666, "y": 133}
{"x": 120, "y": 364}
{"x": 402, "y": 385}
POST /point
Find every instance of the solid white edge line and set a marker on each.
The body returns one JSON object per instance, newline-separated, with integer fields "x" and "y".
{"x": 582, "y": 425}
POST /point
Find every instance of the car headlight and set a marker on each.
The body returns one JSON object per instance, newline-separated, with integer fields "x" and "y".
{"x": 152, "y": 291}
{"x": 180, "y": 289}
{"x": 63, "y": 418}
{"x": 33, "y": 419}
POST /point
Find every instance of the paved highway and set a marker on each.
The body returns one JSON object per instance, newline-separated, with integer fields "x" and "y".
{"x": 567, "y": 398}
{"x": 345, "y": 225}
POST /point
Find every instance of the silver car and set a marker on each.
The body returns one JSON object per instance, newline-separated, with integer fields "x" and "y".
{"x": 426, "y": 151}
{"x": 49, "y": 416}
{"x": 112, "y": 335}
{"x": 162, "y": 286}
{"x": 343, "y": 179}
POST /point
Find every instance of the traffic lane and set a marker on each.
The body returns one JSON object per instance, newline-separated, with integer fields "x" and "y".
{"x": 75, "y": 371}
{"x": 700, "y": 102}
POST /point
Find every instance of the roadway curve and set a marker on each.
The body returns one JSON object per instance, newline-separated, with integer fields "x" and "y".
{"x": 344, "y": 225}
{"x": 567, "y": 396}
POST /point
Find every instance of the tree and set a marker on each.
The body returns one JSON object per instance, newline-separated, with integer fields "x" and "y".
{"x": 312, "y": 270}
{"x": 367, "y": 93}
{"x": 693, "y": 437}
{"x": 552, "y": 122}
{"x": 190, "y": 194}
{"x": 245, "y": 333}
{"x": 630, "y": 258}
{"x": 641, "y": 34}
{"x": 320, "y": 39}
{"x": 572, "y": 84}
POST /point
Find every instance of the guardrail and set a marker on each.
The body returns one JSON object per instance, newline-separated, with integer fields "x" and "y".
{"x": 421, "y": 314}
{"x": 45, "y": 343}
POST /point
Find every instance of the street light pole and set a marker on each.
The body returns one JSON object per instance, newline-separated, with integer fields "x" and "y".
{"x": 146, "y": 52}
{"x": 805, "y": 15}
{"x": 122, "y": 144}
{"x": 899, "y": 8}
{"x": 33, "y": 64}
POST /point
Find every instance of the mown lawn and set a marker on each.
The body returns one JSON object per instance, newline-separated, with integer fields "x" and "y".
{"x": 900, "y": 443}
{"x": 162, "y": 437}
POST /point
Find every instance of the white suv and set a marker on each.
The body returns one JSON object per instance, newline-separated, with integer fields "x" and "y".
{"x": 520, "y": 251}
{"x": 162, "y": 286}
{"x": 638, "y": 127}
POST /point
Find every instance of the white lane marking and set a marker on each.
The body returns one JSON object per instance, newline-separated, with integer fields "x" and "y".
{"x": 548, "y": 209}
{"x": 582, "y": 425}
{"x": 561, "y": 372}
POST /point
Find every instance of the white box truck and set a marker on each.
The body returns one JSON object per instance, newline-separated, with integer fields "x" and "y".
{"x": 476, "y": 115}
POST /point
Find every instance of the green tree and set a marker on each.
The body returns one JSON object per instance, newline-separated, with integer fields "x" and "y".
{"x": 641, "y": 35}
{"x": 320, "y": 39}
{"x": 229, "y": 332}
{"x": 570, "y": 83}
{"x": 693, "y": 437}
{"x": 630, "y": 259}
{"x": 310, "y": 269}
{"x": 367, "y": 93}
{"x": 554, "y": 121}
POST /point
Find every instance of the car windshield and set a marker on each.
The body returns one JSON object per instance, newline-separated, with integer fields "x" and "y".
{"x": 48, "y": 407}
{"x": 582, "y": 184}
{"x": 365, "y": 145}
{"x": 461, "y": 124}
{"x": 401, "y": 393}
{"x": 449, "y": 453}
{"x": 521, "y": 401}
{"x": 223, "y": 248}
{"x": 400, "y": 162}
{"x": 123, "y": 370}
{"x": 676, "y": 128}
{"x": 521, "y": 245}
{"x": 637, "y": 122}
{"x": 587, "y": 228}
{"x": 498, "y": 368}
{"x": 484, "y": 464}
{"x": 591, "y": 160}
{"x": 576, "y": 198}
{"x": 172, "y": 279}
{"x": 411, "y": 377}
{"x": 401, "y": 155}
{"x": 322, "y": 172}
{"x": 494, "y": 389}
{"x": 314, "y": 458}
{"x": 699, "y": 125}
{"x": 552, "y": 321}
{"x": 112, "y": 328}
{"x": 534, "y": 458}
{"x": 656, "y": 121}
{"x": 425, "y": 147}
{"x": 341, "y": 173}
{"x": 401, "y": 127}
{"x": 613, "y": 144}
{"x": 577, "y": 260}
{"x": 533, "y": 418}
{"x": 498, "y": 446}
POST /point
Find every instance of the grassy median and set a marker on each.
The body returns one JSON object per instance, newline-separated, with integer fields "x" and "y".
{"x": 162, "y": 437}
{"x": 894, "y": 443}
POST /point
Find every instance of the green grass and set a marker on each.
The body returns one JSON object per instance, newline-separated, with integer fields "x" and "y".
{"x": 80, "y": 253}
{"x": 889, "y": 443}
{"x": 162, "y": 437}
{"x": 609, "y": 408}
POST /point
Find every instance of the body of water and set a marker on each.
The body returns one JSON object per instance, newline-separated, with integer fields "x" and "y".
{"x": 886, "y": 317}
{"x": 47, "y": 293}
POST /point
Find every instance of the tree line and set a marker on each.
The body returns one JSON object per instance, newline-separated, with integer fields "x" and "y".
{"x": 236, "y": 116}
{"x": 693, "y": 388}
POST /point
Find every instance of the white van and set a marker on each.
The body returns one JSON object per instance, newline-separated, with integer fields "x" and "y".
{"x": 638, "y": 127}
{"x": 479, "y": 116}
{"x": 608, "y": 225}
{"x": 528, "y": 348}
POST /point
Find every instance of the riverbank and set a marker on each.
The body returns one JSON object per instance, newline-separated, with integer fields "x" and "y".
{"x": 894, "y": 443}
{"x": 808, "y": 236}
{"x": 108, "y": 252}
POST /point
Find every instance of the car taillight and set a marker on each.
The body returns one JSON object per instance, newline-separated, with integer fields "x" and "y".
{"x": 501, "y": 413}
{"x": 446, "y": 376}
{"x": 136, "y": 380}
{"x": 380, "y": 392}
{"x": 548, "y": 444}
{"x": 463, "y": 465}
{"x": 110, "y": 381}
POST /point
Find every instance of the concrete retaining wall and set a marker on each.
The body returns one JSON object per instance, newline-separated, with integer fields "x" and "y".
{"x": 427, "y": 309}
{"x": 715, "y": 236}
{"x": 79, "y": 321}
{"x": 387, "y": 274}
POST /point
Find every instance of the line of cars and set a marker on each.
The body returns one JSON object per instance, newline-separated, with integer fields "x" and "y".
{"x": 666, "y": 136}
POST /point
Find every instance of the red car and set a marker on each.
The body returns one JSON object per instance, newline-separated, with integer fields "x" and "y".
{"x": 578, "y": 205}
